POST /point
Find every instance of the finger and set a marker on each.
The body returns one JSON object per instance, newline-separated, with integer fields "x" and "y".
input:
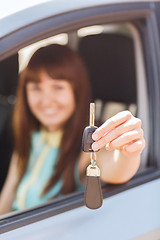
{"x": 127, "y": 138}
{"x": 131, "y": 124}
{"x": 136, "y": 146}
{"x": 118, "y": 142}
{"x": 111, "y": 123}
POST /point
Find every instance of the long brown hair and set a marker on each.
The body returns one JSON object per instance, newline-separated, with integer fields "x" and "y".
{"x": 59, "y": 62}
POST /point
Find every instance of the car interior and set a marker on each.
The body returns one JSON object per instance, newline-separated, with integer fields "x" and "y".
{"x": 109, "y": 53}
{"x": 8, "y": 84}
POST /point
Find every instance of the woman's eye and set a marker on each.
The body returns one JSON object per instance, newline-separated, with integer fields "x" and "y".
{"x": 58, "y": 87}
{"x": 34, "y": 88}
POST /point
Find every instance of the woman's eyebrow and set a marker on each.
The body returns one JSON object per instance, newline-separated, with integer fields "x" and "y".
{"x": 57, "y": 82}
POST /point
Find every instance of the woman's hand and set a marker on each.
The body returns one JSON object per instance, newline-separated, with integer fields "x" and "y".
{"x": 122, "y": 131}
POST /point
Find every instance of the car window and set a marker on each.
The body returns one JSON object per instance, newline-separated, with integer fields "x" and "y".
{"x": 113, "y": 57}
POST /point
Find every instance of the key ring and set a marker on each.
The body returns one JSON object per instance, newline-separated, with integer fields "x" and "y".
{"x": 93, "y": 160}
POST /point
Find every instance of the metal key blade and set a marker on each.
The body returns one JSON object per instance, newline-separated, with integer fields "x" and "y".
{"x": 92, "y": 114}
{"x": 87, "y": 140}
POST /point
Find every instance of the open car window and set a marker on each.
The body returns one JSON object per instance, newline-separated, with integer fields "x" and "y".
{"x": 113, "y": 56}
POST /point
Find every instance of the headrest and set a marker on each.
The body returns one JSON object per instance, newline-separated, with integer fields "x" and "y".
{"x": 9, "y": 75}
{"x": 110, "y": 62}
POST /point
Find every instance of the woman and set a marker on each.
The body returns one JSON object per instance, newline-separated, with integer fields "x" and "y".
{"x": 50, "y": 115}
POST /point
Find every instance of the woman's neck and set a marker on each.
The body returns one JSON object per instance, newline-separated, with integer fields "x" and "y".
{"x": 53, "y": 138}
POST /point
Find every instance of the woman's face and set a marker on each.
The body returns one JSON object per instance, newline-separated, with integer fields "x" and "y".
{"x": 51, "y": 101}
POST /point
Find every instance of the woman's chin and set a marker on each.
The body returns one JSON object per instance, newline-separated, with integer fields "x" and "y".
{"x": 52, "y": 126}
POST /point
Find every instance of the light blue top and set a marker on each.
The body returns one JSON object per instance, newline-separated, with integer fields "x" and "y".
{"x": 39, "y": 170}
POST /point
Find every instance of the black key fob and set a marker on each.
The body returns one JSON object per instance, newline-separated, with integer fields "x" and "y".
{"x": 87, "y": 138}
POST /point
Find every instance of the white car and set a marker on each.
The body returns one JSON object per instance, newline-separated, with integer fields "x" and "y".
{"x": 120, "y": 44}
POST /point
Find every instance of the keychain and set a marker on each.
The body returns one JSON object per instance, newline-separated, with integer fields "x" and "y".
{"x": 93, "y": 191}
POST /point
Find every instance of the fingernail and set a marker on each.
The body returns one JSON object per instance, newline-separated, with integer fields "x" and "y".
{"x": 95, "y": 136}
{"x": 124, "y": 148}
{"x": 108, "y": 146}
{"x": 95, "y": 146}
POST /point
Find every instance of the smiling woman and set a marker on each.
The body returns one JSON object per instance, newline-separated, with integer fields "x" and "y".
{"x": 51, "y": 112}
{"x": 53, "y": 63}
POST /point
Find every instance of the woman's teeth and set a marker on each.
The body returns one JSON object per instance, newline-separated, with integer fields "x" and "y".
{"x": 50, "y": 111}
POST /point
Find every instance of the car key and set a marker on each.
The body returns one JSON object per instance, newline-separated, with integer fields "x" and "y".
{"x": 88, "y": 131}
{"x": 93, "y": 193}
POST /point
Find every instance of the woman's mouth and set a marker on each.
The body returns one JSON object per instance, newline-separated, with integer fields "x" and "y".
{"x": 50, "y": 111}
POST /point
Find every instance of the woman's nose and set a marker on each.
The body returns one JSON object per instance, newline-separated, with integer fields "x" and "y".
{"x": 47, "y": 97}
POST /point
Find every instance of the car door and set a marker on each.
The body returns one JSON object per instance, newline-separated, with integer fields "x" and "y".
{"x": 131, "y": 210}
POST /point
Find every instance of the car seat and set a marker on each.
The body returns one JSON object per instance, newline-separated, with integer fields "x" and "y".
{"x": 8, "y": 85}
